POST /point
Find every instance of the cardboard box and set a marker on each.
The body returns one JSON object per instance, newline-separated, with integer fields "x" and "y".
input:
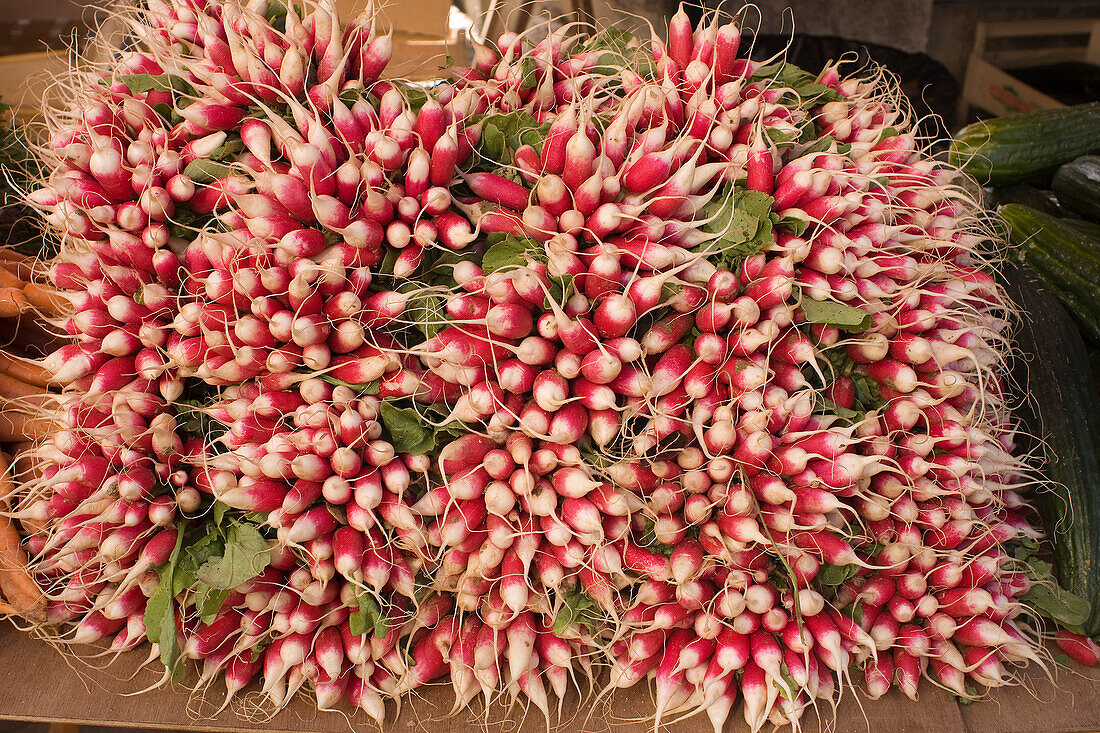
{"x": 1001, "y": 47}
{"x": 423, "y": 17}
{"x": 421, "y": 57}
{"x": 40, "y": 685}
{"x": 25, "y": 79}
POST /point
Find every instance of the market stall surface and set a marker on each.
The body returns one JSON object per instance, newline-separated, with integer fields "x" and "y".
{"x": 42, "y": 686}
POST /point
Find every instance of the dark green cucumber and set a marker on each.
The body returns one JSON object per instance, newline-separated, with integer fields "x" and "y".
{"x": 1062, "y": 411}
{"x": 1007, "y": 150}
{"x": 1089, "y": 229}
{"x": 1065, "y": 258}
{"x": 1077, "y": 185}
{"x": 1036, "y": 198}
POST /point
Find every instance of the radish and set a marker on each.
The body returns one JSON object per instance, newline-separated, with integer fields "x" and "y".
{"x": 519, "y": 408}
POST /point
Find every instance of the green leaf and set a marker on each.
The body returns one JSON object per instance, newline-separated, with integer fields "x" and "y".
{"x": 741, "y": 222}
{"x": 407, "y": 430}
{"x": 831, "y": 313}
{"x": 790, "y": 687}
{"x": 208, "y": 601}
{"x": 502, "y": 135}
{"x": 492, "y": 142}
{"x": 191, "y": 416}
{"x": 276, "y": 15}
{"x": 428, "y": 312}
{"x": 454, "y": 428}
{"x": 509, "y": 252}
{"x": 561, "y": 289}
{"x": 828, "y": 407}
{"x": 140, "y": 83}
{"x": 529, "y": 75}
{"x": 197, "y": 551}
{"x": 779, "y": 138}
{"x": 1050, "y": 600}
{"x": 416, "y": 96}
{"x": 245, "y": 556}
{"x": 160, "y": 613}
{"x": 206, "y": 171}
{"x": 792, "y": 224}
{"x": 577, "y": 608}
{"x": 368, "y": 617}
{"x": 622, "y": 51}
{"x": 218, "y": 511}
{"x": 370, "y": 388}
{"x": 229, "y": 150}
{"x": 867, "y": 394}
{"x": 614, "y": 40}
{"x": 806, "y": 92}
{"x": 648, "y": 539}
{"x": 835, "y": 574}
{"x": 820, "y": 145}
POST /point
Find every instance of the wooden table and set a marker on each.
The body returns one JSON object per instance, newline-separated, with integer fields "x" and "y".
{"x": 40, "y": 685}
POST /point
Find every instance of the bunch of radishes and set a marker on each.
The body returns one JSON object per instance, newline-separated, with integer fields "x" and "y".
{"x": 599, "y": 355}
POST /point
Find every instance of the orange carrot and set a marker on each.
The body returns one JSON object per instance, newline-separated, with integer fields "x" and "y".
{"x": 23, "y": 369}
{"x": 26, "y": 463}
{"x": 9, "y": 279}
{"x": 19, "y": 589}
{"x": 12, "y": 300}
{"x": 47, "y": 300}
{"x": 14, "y": 387}
{"x": 19, "y": 263}
{"x": 17, "y": 426}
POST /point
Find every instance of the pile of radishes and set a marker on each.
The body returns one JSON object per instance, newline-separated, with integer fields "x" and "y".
{"x": 600, "y": 355}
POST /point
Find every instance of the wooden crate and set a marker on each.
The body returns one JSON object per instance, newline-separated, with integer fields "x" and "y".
{"x": 989, "y": 85}
{"x": 26, "y": 79}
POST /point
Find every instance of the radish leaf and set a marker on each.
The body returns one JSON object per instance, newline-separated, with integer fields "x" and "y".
{"x": 648, "y": 539}
{"x": 830, "y": 313}
{"x": 793, "y": 224}
{"x": 577, "y": 608}
{"x": 741, "y": 224}
{"x": 141, "y": 83}
{"x": 835, "y": 574}
{"x": 245, "y": 556}
{"x": 160, "y": 612}
{"x": 208, "y": 601}
{"x": 1052, "y": 601}
{"x": 509, "y": 252}
{"x": 368, "y": 617}
{"x": 407, "y": 429}
{"x": 370, "y": 388}
{"x": 206, "y": 171}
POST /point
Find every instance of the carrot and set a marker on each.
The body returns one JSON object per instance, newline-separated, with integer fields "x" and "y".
{"x": 14, "y": 387}
{"x": 20, "y": 590}
{"x": 26, "y": 336}
{"x": 12, "y": 300}
{"x": 25, "y": 370}
{"x": 17, "y": 426}
{"x": 9, "y": 279}
{"x": 26, "y": 463}
{"x": 19, "y": 263}
{"x": 46, "y": 299}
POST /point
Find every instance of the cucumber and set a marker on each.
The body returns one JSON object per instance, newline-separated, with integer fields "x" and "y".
{"x": 1077, "y": 185}
{"x": 1062, "y": 411}
{"x": 1007, "y": 150}
{"x": 1065, "y": 258}
{"x": 1036, "y": 198}
{"x": 1089, "y": 229}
